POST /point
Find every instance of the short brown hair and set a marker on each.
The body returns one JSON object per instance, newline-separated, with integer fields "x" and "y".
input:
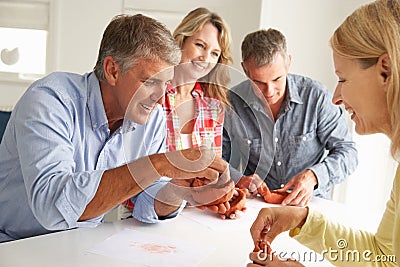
{"x": 263, "y": 45}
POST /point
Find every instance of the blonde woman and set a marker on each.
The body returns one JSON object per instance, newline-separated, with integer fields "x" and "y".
{"x": 194, "y": 103}
{"x": 366, "y": 57}
{"x": 196, "y": 99}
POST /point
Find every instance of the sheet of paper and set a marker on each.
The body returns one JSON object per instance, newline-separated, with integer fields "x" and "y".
{"x": 214, "y": 222}
{"x": 151, "y": 250}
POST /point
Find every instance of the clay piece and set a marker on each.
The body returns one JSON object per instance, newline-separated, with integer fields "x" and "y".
{"x": 237, "y": 202}
{"x": 263, "y": 246}
{"x": 217, "y": 199}
{"x": 271, "y": 197}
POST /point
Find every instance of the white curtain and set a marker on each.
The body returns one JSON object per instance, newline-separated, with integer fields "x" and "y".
{"x": 24, "y": 14}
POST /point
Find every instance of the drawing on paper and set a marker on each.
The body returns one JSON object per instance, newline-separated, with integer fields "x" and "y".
{"x": 154, "y": 248}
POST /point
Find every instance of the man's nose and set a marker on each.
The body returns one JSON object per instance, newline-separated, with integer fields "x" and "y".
{"x": 158, "y": 94}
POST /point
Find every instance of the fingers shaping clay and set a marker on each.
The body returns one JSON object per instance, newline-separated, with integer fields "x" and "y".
{"x": 237, "y": 202}
{"x": 272, "y": 197}
{"x": 263, "y": 246}
{"x": 217, "y": 199}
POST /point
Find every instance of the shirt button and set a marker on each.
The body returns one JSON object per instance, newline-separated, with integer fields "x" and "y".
{"x": 279, "y": 163}
{"x": 276, "y": 139}
{"x": 304, "y": 138}
{"x": 248, "y": 141}
{"x": 282, "y": 185}
{"x": 95, "y": 125}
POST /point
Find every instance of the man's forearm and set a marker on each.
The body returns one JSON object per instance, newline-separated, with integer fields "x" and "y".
{"x": 119, "y": 184}
{"x": 166, "y": 201}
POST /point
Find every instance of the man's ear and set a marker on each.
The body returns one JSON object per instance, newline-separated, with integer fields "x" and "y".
{"x": 289, "y": 62}
{"x": 385, "y": 68}
{"x": 110, "y": 70}
{"x": 244, "y": 69}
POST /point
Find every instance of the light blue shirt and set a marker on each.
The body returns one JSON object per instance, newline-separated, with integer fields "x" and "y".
{"x": 309, "y": 133}
{"x": 55, "y": 149}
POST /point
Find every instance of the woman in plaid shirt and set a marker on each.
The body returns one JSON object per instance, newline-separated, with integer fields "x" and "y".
{"x": 196, "y": 99}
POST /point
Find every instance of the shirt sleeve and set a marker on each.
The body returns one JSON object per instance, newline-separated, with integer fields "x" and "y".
{"x": 57, "y": 194}
{"x": 228, "y": 132}
{"x": 144, "y": 203}
{"x": 332, "y": 131}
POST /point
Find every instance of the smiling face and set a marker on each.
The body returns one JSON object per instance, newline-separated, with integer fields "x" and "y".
{"x": 363, "y": 94}
{"x": 138, "y": 91}
{"x": 269, "y": 80}
{"x": 201, "y": 51}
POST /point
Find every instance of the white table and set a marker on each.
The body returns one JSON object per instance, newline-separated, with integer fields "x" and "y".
{"x": 232, "y": 241}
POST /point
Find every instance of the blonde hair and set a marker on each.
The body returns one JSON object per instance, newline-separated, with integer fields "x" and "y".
{"x": 369, "y": 32}
{"x": 214, "y": 83}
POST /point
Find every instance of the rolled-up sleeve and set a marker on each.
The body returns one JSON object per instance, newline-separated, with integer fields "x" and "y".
{"x": 144, "y": 203}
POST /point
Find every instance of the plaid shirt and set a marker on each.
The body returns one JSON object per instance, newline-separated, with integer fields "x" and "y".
{"x": 207, "y": 129}
{"x": 209, "y": 118}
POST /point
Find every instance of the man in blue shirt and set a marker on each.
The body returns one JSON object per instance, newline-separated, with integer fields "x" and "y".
{"x": 284, "y": 129}
{"x": 76, "y": 145}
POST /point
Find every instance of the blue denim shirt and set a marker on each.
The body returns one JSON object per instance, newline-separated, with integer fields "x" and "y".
{"x": 309, "y": 133}
{"x": 55, "y": 149}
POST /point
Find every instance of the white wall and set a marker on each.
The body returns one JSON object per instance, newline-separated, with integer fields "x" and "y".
{"x": 79, "y": 26}
{"x": 308, "y": 25}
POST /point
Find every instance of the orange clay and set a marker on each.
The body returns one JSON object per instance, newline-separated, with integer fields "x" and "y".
{"x": 271, "y": 196}
{"x": 262, "y": 246}
{"x": 218, "y": 199}
{"x": 237, "y": 202}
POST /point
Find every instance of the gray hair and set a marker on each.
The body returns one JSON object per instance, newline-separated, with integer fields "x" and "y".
{"x": 263, "y": 45}
{"x": 129, "y": 38}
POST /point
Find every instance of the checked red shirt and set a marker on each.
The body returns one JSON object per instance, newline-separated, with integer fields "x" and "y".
{"x": 208, "y": 126}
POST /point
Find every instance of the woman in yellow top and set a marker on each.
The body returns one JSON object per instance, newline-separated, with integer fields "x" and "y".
{"x": 366, "y": 54}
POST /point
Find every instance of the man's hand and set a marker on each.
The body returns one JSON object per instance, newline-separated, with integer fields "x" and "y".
{"x": 170, "y": 197}
{"x": 231, "y": 209}
{"x": 189, "y": 163}
{"x": 210, "y": 194}
{"x": 183, "y": 164}
{"x": 251, "y": 182}
{"x": 302, "y": 186}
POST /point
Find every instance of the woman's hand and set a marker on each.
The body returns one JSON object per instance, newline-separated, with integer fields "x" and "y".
{"x": 271, "y": 260}
{"x": 270, "y": 222}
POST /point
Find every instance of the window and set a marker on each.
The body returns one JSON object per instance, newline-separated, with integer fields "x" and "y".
{"x": 23, "y": 39}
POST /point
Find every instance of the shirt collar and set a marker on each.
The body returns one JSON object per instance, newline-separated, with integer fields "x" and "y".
{"x": 96, "y": 109}
{"x": 246, "y": 93}
{"x": 292, "y": 90}
{"x": 95, "y": 104}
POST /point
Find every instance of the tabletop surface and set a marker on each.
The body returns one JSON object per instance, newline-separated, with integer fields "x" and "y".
{"x": 228, "y": 240}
